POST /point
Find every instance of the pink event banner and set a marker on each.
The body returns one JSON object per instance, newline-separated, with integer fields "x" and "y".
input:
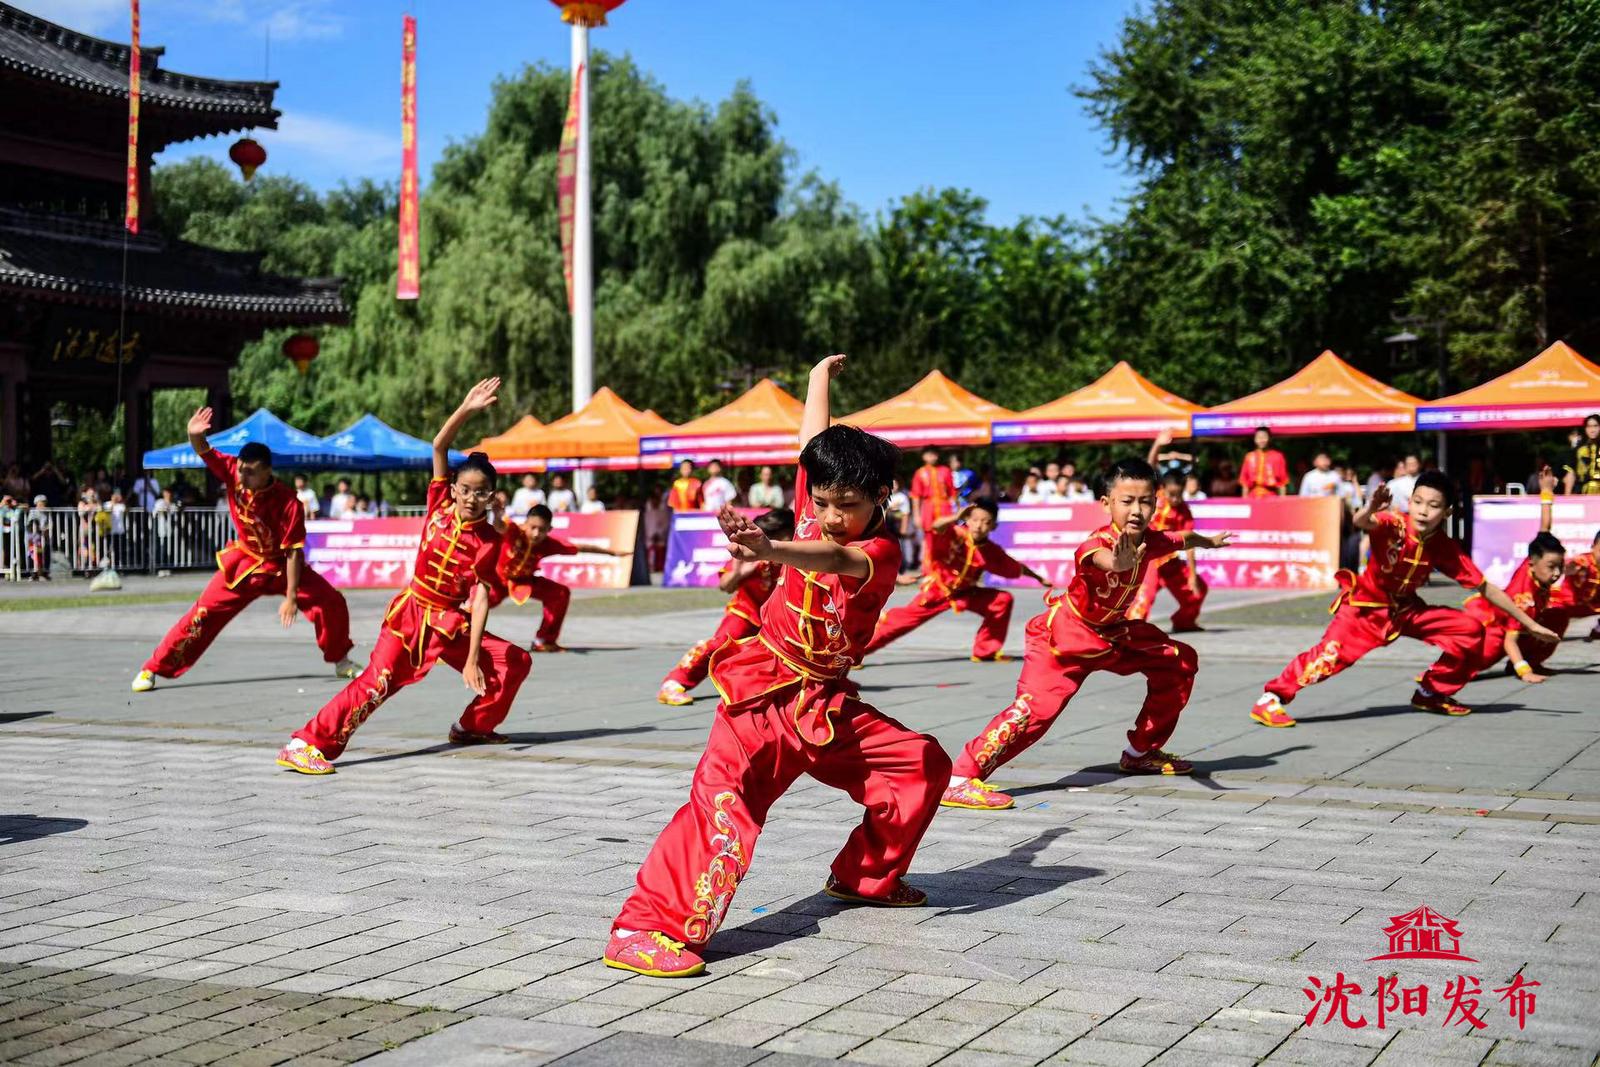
{"x": 696, "y": 549}
{"x": 1282, "y": 542}
{"x": 1502, "y": 526}
{"x": 379, "y": 553}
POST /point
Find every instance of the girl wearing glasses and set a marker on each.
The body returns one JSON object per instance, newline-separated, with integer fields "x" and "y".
{"x": 440, "y": 615}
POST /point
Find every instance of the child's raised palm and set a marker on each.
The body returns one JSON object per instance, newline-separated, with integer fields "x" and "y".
{"x": 832, "y": 365}
{"x": 746, "y": 540}
{"x": 481, "y": 396}
{"x": 1128, "y": 550}
{"x": 200, "y": 422}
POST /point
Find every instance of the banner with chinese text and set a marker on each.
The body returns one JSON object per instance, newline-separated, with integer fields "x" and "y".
{"x": 132, "y": 221}
{"x": 1502, "y": 526}
{"x": 696, "y": 549}
{"x": 567, "y": 178}
{"x": 409, "y": 276}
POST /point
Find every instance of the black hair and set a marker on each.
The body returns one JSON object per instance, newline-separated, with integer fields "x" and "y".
{"x": 1544, "y": 542}
{"x": 1262, "y": 429}
{"x": 255, "y": 452}
{"x": 848, "y": 457}
{"x": 476, "y": 461}
{"x": 1129, "y": 469}
{"x": 709, "y": 462}
{"x": 985, "y": 504}
{"x": 1173, "y": 477}
{"x": 1439, "y": 482}
{"x": 776, "y": 521}
{"x": 1595, "y": 415}
{"x": 930, "y": 448}
{"x": 539, "y": 511}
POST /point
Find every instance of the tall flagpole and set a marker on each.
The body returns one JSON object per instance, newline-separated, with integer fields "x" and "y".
{"x": 582, "y": 247}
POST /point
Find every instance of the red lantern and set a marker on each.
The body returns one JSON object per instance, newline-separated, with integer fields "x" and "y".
{"x": 301, "y": 349}
{"x": 247, "y": 155}
{"x": 586, "y": 12}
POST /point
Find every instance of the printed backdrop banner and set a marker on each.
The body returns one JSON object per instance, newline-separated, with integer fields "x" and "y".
{"x": 379, "y": 553}
{"x": 696, "y": 549}
{"x": 408, "y": 276}
{"x": 132, "y": 219}
{"x": 1502, "y": 526}
{"x": 1282, "y": 542}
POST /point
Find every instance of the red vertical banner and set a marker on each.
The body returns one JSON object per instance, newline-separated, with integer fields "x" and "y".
{"x": 567, "y": 178}
{"x": 132, "y": 221}
{"x": 408, "y": 278}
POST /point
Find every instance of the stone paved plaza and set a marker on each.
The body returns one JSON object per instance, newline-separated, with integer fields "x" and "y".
{"x": 168, "y": 895}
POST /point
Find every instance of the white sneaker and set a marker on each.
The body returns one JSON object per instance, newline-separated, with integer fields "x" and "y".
{"x": 346, "y": 668}
{"x": 163, "y": 574}
{"x": 143, "y": 682}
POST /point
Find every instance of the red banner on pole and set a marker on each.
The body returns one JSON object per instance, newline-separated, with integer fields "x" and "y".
{"x": 567, "y": 178}
{"x": 132, "y": 221}
{"x": 408, "y": 278}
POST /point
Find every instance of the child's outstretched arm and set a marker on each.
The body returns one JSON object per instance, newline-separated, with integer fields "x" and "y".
{"x": 199, "y": 426}
{"x": 818, "y": 413}
{"x": 944, "y": 522}
{"x": 471, "y": 673}
{"x": 1547, "y": 500}
{"x": 1497, "y": 596}
{"x": 479, "y": 398}
{"x": 1193, "y": 539}
{"x": 1519, "y": 662}
{"x": 747, "y": 542}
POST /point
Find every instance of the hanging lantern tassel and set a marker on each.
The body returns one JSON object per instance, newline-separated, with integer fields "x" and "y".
{"x": 247, "y": 155}
{"x": 301, "y": 349}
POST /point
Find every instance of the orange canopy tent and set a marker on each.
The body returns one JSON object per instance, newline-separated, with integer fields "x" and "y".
{"x": 1327, "y": 395}
{"x": 1557, "y": 387}
{"x": 762, "y": 426}
{"x": 935, "y": 411}
{"x": 513, "y": 439}
{"x": 1119, "y": 405}
{"x": 603, "y": 434}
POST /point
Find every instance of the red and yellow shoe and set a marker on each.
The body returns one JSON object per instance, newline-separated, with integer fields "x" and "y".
{"x": 674, "y": 694}
{"x": 1439, "y": 705}
{"x": 1154, "y": 762}
{"x": 1268, "y": 711}
{"x": 901, "y": 896}
{"x": 998, "y": 657}
{"x": 307, "y": 759}
{"x": 652, "y": 954}
{"x": 976, "y": 794}
{"x": 459, "y": 735}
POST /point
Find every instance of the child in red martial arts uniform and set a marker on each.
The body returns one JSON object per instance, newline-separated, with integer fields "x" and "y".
{"x": 440, "y": 615}
{"x": 1177, "y": 573}
{"x": 933, "y": 496}
{"x": 962, "y": 554}
{"x": 1086, "y": 629}
{"x": 687, "y": 492}
{"x": 1583, "y": 581}
{"x": 1382, "y": 605}
{"x": 264, "y": 559}
{"x": 751, "y": 583}
{"x": 522, "y": 546}
{"x": 788, "y": 708}
{"x": 1536, "y": 588}
{"x": 1264, "y": 471}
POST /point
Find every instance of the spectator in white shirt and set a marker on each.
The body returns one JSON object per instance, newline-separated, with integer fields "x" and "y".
{"x": 766, "y": 493}
{"x": 1191, "y": 488}
{"x": 1078, "y": 493}
{"x": 716, "y": 489}
{"x": 1403, "y": 482}
{"x": 1321, "y": 479}
{"x": 343, "y": 502}
{"x": 1031, "y": 492}
{"x": 560, "y": 498}
{"x": 1056, "y": 490}
{"x": 307, "y": 496}
{"x": 592, "y": 504}
{"x": 527, "y": 495}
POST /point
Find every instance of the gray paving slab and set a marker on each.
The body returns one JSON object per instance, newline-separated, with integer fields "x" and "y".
{"x": 150, "y": 839}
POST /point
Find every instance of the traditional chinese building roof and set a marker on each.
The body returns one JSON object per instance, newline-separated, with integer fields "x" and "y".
{"x": 182, "y": 105}
{"x": 79, "y": 261}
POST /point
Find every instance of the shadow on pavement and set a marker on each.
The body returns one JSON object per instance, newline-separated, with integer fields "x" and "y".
{"x": 1405, "y": 709}
{"x": 1203, "y": 771}
{"x": 14, "y": 828}
{"x": 20, "y": 716}
{"x": 519, "y": 742}
{"x": 990, "y": 883}
{"x": 179, "y": 683}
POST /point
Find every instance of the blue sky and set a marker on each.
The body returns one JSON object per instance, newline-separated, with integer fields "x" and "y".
{"x": 883, "y": 98}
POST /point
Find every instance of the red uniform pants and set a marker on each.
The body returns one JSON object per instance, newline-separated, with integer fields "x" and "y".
{"x": 392, "y": 668}
{"x": 994, "y": 605}
{"x": 751, "y": 759}
{"x": 321, "y": 604}
{"x": 1356, "y": 631}
{"x": 1049, "y": 681}
{"x": 691, "y": 669}
{"x": 554, "y": 597}
{"x": 1174, "y": 574}
{"x": 1493, "y": 647}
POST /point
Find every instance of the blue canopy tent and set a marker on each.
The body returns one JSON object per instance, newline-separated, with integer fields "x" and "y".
{"x": 384, "y": 448}
{"x": 290, "y": 447}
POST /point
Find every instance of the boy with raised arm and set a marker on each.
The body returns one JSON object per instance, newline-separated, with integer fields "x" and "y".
{"x": 1087, "y": 629}
{"x": 751, "y": 583}
{"x": 788, "y": 708}
{"x": 1382, "y": 605}
{"x": 265, "y": 558}
{"x": 441, "y": 614}
{"x": 1536, "y": 588}
{"x": 522, "y": 546}
{"x": 961, "y": 554}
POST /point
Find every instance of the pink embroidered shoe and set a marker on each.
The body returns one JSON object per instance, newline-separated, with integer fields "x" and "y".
{"x": 901, "y": 896}
{"x": 307, "y": 759}
{"x": 652, "y": 954}
{"x": 976, "y": 794}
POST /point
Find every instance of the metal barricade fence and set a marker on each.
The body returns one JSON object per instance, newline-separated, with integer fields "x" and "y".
{"x": 61, "y": 541}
